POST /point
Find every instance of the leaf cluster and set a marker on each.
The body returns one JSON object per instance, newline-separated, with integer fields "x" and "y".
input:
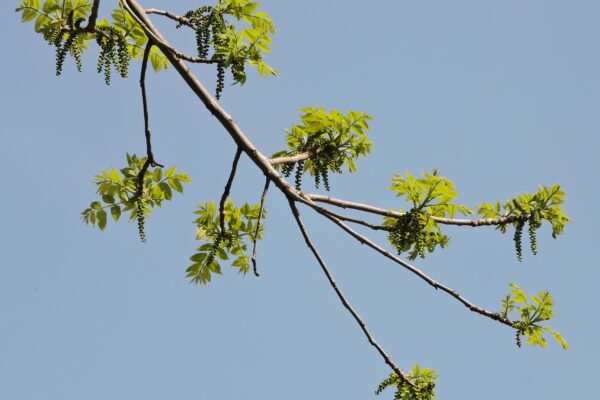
{"x": 431, "y": 195}
{"x": 531, "y": 314}
{"x": 422, "y": 388}
{"x": 233, "y": 47}
{"x": 223, "y": 244}
{"x": 119, "y": 41}
{"x": 119, "y": 192}
{"x": 332, "y": 140}
{"x": 531, "y": 209}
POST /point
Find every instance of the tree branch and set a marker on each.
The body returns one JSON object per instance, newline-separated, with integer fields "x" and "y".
{"x": 401, "y": 374}
{"x": 259, "y": 159}
{"x": 435, "y": 284}
{"x": 178, "y": 18}
{"x": 227, "y": 189}
{"x": 395, "y": 214}
{"x": 264, "y": 164}
{"x": 260, "y": 213}
{"x": 291, "y": 159}
{"x": 149, "y": 153}
{"x": 91, "y": 26}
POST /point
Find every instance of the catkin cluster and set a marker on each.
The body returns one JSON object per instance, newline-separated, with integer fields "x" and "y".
{"x": 518, "y": 239}
{"x": 323, "y": 161}
{"x": 113, "y": 52}
{"x": 209, "y": 24}
{"x": 141, "y": 219}
{"x": 410, "y": 232}
{"x": 534, "y": 221}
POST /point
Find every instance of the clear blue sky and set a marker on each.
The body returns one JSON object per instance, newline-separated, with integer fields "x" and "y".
{"x": 500, "y": 96}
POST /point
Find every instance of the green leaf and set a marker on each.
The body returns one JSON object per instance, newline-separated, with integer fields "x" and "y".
{"x": 166, "y": 190}
{"x": 115, "y": 212}
{"x": 101, "y": 219}
{"x": 175, "y": 184}
{"x": 169, "y": 173}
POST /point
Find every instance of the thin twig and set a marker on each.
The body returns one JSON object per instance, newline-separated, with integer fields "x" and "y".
{"x": 395, "y": 214}
{"x": 360, "y": 221}
{"x": 227, "y": 189}
{"x": 401, "y": 374}
{"x": 260, "y": 213}
{"x": 178, "y": 18}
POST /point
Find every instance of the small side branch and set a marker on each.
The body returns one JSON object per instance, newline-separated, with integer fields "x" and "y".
{"x": 260, "y": 213}
{"x": 227, "y": 189}
{"x": 290, "y": 159}
{"x": 395, "y": 214}
{"x": 177, "y": 18}
{"x": 150, "y": 160}
{"x": 342, "y": 298}
{"x": 364, "y": 240}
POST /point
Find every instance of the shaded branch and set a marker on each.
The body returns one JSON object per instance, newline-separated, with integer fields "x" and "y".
{"x": 91, "y": 26}
{"x": 227, "y": 189}
{"x": 260, "y": 212}
{"x": 395, "y": 214}
{"x": 401, "y": 374}
{"x": 149, "y": 154}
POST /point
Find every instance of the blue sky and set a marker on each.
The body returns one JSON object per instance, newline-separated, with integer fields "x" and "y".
{"x": 500, "y": 96}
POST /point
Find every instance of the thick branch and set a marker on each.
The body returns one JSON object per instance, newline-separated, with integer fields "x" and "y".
{"x": 342, "y": 298}
{"x": 263, "y": 198}
{"x": 227, "y": 189}
{"x": 261, "y": 161}
{"x": 395, "y": 214}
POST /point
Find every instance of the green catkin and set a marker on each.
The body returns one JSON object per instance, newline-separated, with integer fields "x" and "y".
{"x": 76, "y": 53}
{"x": 114, "y": 51}
{"x": 317, "y": 170}
{"x": 102, "y": 55}
{"x": 108, "y": 60}
{"x": 218, "y": 27}
{"x": 534, "y": 224}
{"x": 518, "y": 337}
{"x": 409, "y": 232}
{"x": 213, "y": 250}
{"x": 287, "y": 169}
{"x": 326, "y": 179}
{"x": 220, "y": 80}
{"x": 61, "y": 53}
{"x": 517, "y": 238}
{"x": 298, "y": 176}
{"x": 122, "y": 55}
{"x": 141, "y": 219}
